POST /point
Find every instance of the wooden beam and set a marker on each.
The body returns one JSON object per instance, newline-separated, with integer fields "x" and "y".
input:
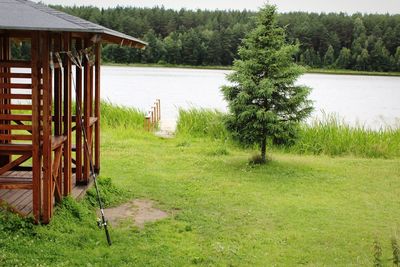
{"x": 58, "y": 94}
{"x": 47, "y": 108}
{"x": 78, "y": 119}
{"x": 36, "y": 127}
{"x": 67, "y": 118}
{"x": 88, "y": 87}
{"x": 4, "y": 56}
{"x": 97, "y": 108}
{"x": 15, "y": 63}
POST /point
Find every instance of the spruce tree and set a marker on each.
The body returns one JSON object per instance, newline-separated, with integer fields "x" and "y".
{"x": 264, "y": 102}
{"x": 344, "y": 59}
{"x": 329, "y": 57}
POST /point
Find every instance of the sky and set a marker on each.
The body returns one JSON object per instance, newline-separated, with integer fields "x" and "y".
{"x": 348, "y": 6}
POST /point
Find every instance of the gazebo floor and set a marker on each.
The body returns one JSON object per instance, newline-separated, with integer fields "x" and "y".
{"x": 20, "y": 200}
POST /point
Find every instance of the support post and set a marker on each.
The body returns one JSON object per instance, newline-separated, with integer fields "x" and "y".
{"x": 47, "y": 123}
{"x": 57, "y": 110}
{"x": 86, "y": 117}
{"x": 67, "y": 119}
{"x": 36, "y": 160}
{"x": 78, "y": 132}
{"x": 5, "y": 55}
{"x": 97, "y": 108}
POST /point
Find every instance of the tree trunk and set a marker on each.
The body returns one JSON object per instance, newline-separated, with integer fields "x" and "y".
{"x": 263, "y": 149}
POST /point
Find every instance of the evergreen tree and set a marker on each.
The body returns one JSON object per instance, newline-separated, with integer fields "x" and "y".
{"x": 344, "y": 59}
{"x": 263, "y": 101}
{"x": 362, "y": 60}
{"x": 329, "y": 57}
{"x": 397, "y": 58}
{"x": 380, "y": 56}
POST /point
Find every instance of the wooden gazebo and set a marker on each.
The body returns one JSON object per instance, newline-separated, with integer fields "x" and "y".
{"x": 42, "y": 154}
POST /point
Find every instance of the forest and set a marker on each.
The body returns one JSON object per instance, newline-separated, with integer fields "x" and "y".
{"x": 368, "y": 42}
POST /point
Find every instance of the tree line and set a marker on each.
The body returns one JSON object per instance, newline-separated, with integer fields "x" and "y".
{"x": 202, "y": 37}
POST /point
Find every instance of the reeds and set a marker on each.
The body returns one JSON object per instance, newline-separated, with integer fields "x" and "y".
{"x": 120, "y": 116}
{"x": 329, "y": 135}
{"x": 202, "y": 123}
{"x": 332, "y": 136}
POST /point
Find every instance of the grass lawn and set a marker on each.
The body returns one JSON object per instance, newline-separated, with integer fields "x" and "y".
{"x": 297, "y": 210}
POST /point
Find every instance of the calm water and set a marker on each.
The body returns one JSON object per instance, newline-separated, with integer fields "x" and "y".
{"x": 372, "y": 101}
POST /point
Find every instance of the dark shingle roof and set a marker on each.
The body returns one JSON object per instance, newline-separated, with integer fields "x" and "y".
{"x": 27, "y": 15}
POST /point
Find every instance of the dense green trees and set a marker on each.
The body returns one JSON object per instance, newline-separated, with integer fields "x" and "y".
{"x": 263, "y": 101}
{"x": 362, "y": 42}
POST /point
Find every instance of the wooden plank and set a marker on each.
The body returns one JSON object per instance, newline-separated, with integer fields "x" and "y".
{"x": 11, "y": 117}
{"x": 3, "y": 192}
{"x": 16, "y": 85}
{"x": 16, "y": 96}
{"x": 15, "y": 127}
{"x": 23, "y": 200}
{"x": 14, "y": 186}
{"x": 16, "y": 75}
{"x": 28, "y": 207}
{"x": 15, "y": 107}
{"x": 10, "y": 137}
{"x": 15, "y": 148}
{"x": 14, "y": 196}
{"x": 15, "y": 64}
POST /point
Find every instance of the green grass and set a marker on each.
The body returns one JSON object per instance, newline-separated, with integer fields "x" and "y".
{"x": 296, "y": 210}
{"x": 119, "y": 116}
{"x": 308, "y": 70}
{"x": 333, "y": 137}
{"x": 201, "y": 123}
{"x": 330, "y": 135}
{"x": 351, "y": 72}
{"x": 156, "y": 65}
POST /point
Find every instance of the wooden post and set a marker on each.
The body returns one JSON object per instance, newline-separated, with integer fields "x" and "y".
{"x": 78, "y": 131}
{"x": 36, "y": 160}
{"x": 67, "y": 118}
{"x": 155, "y": 115}
{"x": 5, "y": 55}
{"x": 153, "y": 125}
{"x": 97, "y": 107}
{"x": 86, "y": 117}
{"x": 159, "y": 109}
{"x": 156, "y": 110}
{"x": 47, "y": 123}
{"x": 57, "y": 107}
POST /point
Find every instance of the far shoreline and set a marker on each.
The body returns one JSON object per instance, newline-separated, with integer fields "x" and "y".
{"x": 308, "y": 70}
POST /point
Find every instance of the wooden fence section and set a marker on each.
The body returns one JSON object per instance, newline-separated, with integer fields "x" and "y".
{"x": 153, "y": 117}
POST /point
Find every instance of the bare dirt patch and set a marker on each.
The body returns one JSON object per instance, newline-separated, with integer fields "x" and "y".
{"x": 140, "y": 211}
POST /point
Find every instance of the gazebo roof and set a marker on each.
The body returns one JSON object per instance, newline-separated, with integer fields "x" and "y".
{"x": 27, "y": 15}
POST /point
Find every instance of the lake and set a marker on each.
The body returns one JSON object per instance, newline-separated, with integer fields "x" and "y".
{"x": 373, "y": 101}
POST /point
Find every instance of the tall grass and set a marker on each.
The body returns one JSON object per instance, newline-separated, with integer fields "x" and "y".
{"x": 329, "y": 136}
{"x": 119, "y": 116}
{"x": 332, "y": 136}
{"x": 202, "y": 123}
